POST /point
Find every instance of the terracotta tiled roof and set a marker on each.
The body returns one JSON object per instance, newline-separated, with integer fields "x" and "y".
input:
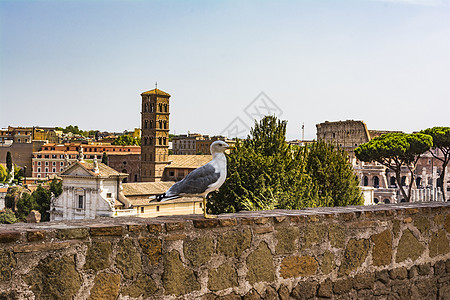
{"x": 145, "y": 188}
{"x": 104, "y": 170}
{"x": 155, "y": 92}
{"x": 188, "y": 161}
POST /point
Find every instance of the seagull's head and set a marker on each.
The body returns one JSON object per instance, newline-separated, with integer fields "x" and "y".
{"x": 219, "y": 147}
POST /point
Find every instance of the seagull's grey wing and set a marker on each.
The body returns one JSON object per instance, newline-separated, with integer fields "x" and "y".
{"x": 195, "y": 182}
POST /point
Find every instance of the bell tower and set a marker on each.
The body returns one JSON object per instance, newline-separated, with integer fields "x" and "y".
{"x": 155, "y": 134}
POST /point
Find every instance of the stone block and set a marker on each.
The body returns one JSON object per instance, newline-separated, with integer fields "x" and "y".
{"x": 355, "y": 254}
{"x": 447, "y": 223}
{"x": 154, "y": 227}
{"x": 177, "y": 279}
{"x": 411, "y": 211}
{"x": 106, "y": 230}
{"x": 298, "y": 219}
{"x": 172, "y": 226}
{"x": 247, "y": 221}
{"x": 233, "y": 243}
{"x": 136, "y": 227}
{"x": 128, "y": 259}
{"x": 270, "y": 294}
{"x": 8, "y": 236}
{"x": 423, "y": 224}
{"x": 225, "y": 276}
{"x": 228, "y": 222}
{"x": 144, "y": 287}
{"x": 7, "y": 264}
{"x": 364, "y": 281}
{"x": 382, "y": 276}
{"x": 413, "y": 272}
{"x": 252, "y": 295}
{"x": 408, "y": 247}
{"x": 152, "y": 247}
{"x": 54, "y": 278}
{"x": 72, "y": 233}
{"x": 279, "y": 219}
{"x": 336, "y": 235}
{"x": 262, "y": 220}
{"x": 328, "y": 263}
{"x": 260, "y": 265}
{"x": 286, "y": 237}
{"x": 325, "y": 289}
{"x": 439, "y": 268}
{"x": 296, "y": 266}
{"x": 343, "y": 286}
{"x": 41, "y": 247}
{"x": 98, "y": 256}
{"x": 205, "y": 223}
{"x": 106, "y": 287}
{"x": 175, "y": 237}
{"x": 438, "y": 244}
{"x": 198, "y": 251}
{"x": 398, "y": 273}
{"x": 305, "y": 290}
{"x": 396, "y": 227}
{"x": 262, "y": 230}
{"x": 36, "y": 235}
{"x": 407, "y": 220}
{"x": 314, "y": 234}
{"x": 424, "y": 269}
{"x": 283, "y": 292}
{"x": 312, "y": 219}
{"x": 382, "y": 248}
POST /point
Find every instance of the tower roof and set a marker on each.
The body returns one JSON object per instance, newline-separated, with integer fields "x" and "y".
{"x": 156, "y": 92}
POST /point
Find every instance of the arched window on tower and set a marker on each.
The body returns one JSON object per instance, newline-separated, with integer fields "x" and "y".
{"x": 165, "y": 107}
{"x": 403, "y": 181}
{"x": 160, "y": 107}
{"x": 152, "y": 107}
{"x": 146, "y": 107}
{"x": 145, "y": 124}
{"x": 164, "y": 141}
{"x": 145, "y": 140}
{"x": 151, "y": 141}
{"x": 151, "y": 124}
{"x": 165, "y": 124}
{"x": 160, "y": 141}
{"x": 365, "y": 181}
{"x": 160, "y": 124}
{"x": 392, "y": 183}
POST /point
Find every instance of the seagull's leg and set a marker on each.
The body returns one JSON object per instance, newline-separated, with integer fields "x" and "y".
{"x": 204, "y": 210}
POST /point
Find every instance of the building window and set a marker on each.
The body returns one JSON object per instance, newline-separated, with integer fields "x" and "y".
{"x": 54, "y": 170}
{"x": 108, "y": 195}
{"x": 39, "y": 175}
{"x": 80, "y": 201}
{"x": 39, "y": 169}
{"x": 157, "y": 208}
{"x": 54, "y": 163}
{"x": 46, "y": 163}
{"x": 61, "y": 164}
{"x": 39, "y": 163}
{"x": 135, "y": 178}
{"x": 142, "y": 210}
{"x": 46, "y": 170}
{"x": 171, "y": 173}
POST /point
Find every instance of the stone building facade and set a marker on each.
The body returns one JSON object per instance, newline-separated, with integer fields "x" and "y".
{"x": 155, "y": 134}
{"x": 348, "y": 135}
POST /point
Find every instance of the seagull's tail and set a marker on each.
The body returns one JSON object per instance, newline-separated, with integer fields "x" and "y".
{"x": 163, "y": 197}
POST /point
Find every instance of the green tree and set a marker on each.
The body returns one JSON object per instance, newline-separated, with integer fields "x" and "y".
{"x": 25, "y": 205}
{"x": 9, "y": 164}
{"x": 3, "y": 174}
{"x": 333, "y": 176}
{"x": 7, "y": 216}
{"x": 56, "y": 187}
{"x": 441, "y": 141}
{"x": 266, "y": 173}
{"x": 394, "y": 150}
{"x": 43, "y": 199}
{"x": 105, "y": 158}
{"x": 127, "y": 140}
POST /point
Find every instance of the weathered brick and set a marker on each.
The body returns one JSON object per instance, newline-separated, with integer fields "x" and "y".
{"x": 8, "y": 236}
{"x": 175, "y": 237}
{"x": 408, "y": 247}
{"x": 325, "y": 289}
{"x": 343, "y": 286}
{"x": 382, "y": 248}
{"x": 154, "y": 227}
{"x": 136, "y": 227}
{"x": 41, "y": 247}
{"x": 205, "y": 223}
{"x": 36, "y": 235}
{"x": 106, "y": 230}
{"x": 262, "y": 220}
{"x": 72, "y": 233}
{"x": 313, "y": 218}
{"x": 228, "y": 222}
{"x": 295, "y": 266}
{"x": 364, "y": 281}
{"x": 172, "y": 226}
{"x": 247, "y": 221}
{"x": 262, "y": 230}
{"x": 279, "y": 219}
{"x": 411, "y": 211}
{"x": 398, "y": 273}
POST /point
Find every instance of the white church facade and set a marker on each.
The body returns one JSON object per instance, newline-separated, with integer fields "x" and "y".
{"x": 90, "y": 190}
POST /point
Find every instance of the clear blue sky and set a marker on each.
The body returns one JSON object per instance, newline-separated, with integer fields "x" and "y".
{"x": 86, "y": 62}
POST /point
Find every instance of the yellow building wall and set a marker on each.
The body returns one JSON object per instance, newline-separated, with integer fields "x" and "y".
{"x": 169, "y": 209}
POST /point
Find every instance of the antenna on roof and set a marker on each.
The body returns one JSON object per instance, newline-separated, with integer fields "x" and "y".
{"x": 156, "y": 85}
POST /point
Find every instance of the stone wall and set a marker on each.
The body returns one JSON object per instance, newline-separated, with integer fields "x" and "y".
{"x": 378, "y": 252}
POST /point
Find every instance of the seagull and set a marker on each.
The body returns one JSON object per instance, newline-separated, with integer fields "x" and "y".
{"x": 202, "y": 180}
